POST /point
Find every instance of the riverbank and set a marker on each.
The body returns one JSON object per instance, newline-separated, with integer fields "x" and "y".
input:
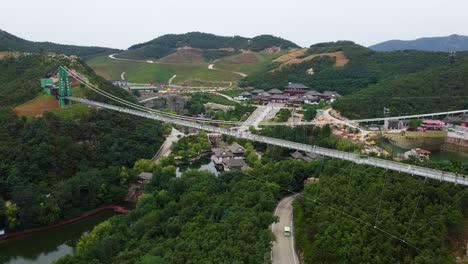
{"x": 26, "y": 232}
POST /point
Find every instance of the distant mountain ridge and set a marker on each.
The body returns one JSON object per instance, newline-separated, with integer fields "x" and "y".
{"x": 213, "y": 46}
{"x": 10, "y": 42}
{"x": 447, "y": 44}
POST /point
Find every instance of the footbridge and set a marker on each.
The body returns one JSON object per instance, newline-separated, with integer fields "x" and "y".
{"x": 359, "y": 159}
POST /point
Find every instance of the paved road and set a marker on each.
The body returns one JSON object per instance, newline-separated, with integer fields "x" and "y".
{"x": 283, "y": 248}
{"x": 165, "y": 149}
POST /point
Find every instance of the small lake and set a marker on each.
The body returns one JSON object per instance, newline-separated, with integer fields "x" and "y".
{"x": 436, "y": 156}
{"x": 44, "y": 247}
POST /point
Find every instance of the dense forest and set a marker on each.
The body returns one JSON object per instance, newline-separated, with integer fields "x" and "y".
{"x": 440, "y": 89}
{"x": 365, "y": 67}
{"x": 9, "y": 42}
{"x": 201, "y": 218}
{"x": 197, "y": 218}
{"x": 167, "y": 44}
{"x": 335, "y": 218}
{"x": 52, "y": 168}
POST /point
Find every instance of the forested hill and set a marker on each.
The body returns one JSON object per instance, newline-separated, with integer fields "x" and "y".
{"x": 167, "y": 44}
{"x": 443, "y": 88}
{"x": 448, "y": 44}
{"x": 364, "y": 68}
{"x": 19, "y": 77}
{"x": 9, "y": 42}
{"x": 54, "y": 167}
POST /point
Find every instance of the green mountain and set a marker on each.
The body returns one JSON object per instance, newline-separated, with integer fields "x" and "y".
{"x": 448, "y": 44}
{"x": 213, "y": 46}
{"x": 364, "y": 67}
{"x": 9, "y": 42}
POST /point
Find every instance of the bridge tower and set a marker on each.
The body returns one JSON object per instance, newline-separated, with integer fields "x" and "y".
{"x": 64, "y": 87}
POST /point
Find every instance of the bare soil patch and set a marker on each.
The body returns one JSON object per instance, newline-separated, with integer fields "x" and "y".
{"x": 103, "y": 73}
{"x": 4, "y": 54}
{"x": 37, "y": 108}
{"x": 292, "y": 55}
{"x": 184, "y": 55}
{"x": 292, "y": 58}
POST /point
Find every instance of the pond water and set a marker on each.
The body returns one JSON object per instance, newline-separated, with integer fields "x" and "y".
{"x": 44, "y": 247}
{"x": 204, "y": 163}
{"x": 436, "y": 156}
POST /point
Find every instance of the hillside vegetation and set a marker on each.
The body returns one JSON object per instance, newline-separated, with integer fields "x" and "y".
{"x": 187, "y": 74}
{"x": 214, "y": 46}
{"x": 365, "y": 67}
{"x": 440, "y": 89}
{"x": 9, "y": 42}
{"x": 53, "y": 168}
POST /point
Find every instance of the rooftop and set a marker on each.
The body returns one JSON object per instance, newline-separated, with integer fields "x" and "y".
{"x": 275, "y": 91}
{"x": 235, "y": 163}
{"x": 147, "y": 176}
{"x": 236, "y": 148}
{"x": 296, "y": 86}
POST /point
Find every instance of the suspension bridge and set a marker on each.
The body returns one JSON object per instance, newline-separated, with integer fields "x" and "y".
{"x": 202, "y": 124}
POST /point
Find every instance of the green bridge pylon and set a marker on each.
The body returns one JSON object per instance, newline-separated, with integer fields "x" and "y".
{"x": 64, "y": 87}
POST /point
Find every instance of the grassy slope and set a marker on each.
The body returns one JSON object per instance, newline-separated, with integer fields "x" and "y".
{"x": 142, "y": 72}
{"x": 264, "y": 59}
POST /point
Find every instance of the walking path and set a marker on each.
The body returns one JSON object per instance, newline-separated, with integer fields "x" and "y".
{"x": 122, "y": 76}
{"x": 211, "y": 67}
{"x": 172, "y": 79}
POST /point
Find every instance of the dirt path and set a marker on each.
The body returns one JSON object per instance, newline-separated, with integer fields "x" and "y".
{"x": 122, "y": 76}
{"x": 211, "y": 67}
{"x": 172, "y": 79}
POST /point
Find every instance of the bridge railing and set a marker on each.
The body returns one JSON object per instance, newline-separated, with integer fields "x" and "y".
{"x": 386, "y": 164}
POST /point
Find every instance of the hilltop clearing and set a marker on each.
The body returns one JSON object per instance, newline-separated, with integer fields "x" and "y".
{"x": 213, "y": 46}
{"x": 184, "y": 55}
{"x": 299, "y": 56}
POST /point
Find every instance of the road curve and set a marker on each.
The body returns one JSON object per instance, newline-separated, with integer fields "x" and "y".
{"x": 283, "y": 248}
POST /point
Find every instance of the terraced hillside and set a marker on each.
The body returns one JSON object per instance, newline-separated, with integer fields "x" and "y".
{"x": 188, "y": 68}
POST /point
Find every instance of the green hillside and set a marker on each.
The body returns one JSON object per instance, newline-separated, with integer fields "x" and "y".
{"x": 9, "y": 42}
{"x": 212, "y": 45}
{"x": 365, "y": 67}
{"x": 439, "y": 89}
{"x": 55, "y": 168}
{"x": 189, "y": 74}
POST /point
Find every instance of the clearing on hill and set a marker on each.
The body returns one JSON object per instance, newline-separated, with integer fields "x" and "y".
{"x": 184, "y": 56}
{"x": 4, "y": 54}
{"x": 37, "y": 106}
{"x": 246, "y": 57}
{"x": 292, "y": 58}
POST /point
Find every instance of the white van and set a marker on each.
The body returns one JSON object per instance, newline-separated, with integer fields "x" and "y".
{"x": 287, "y": 231}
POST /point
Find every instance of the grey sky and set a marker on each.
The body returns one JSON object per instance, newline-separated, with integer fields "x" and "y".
{"x": 119, "y": 23}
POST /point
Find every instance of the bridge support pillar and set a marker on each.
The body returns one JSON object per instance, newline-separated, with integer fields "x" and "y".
{"x": 64, "y": 87}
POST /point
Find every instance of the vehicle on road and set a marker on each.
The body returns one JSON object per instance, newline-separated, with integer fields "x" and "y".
{"x": 287, "y": 231}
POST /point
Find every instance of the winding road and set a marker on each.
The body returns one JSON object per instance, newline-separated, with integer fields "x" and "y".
{"x": 283, "y": 248}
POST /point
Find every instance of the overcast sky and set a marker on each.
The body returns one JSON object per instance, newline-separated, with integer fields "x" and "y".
{"x": 120, "y": 24}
